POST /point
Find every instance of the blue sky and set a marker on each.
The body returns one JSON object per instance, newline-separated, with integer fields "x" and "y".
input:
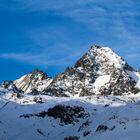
{"x": 52, "y": 35}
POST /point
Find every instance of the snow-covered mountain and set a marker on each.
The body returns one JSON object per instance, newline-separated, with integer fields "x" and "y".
{"x": 99, "y": 71}
{"x": 33, "y": 82}
{"x": 98, "y": 98}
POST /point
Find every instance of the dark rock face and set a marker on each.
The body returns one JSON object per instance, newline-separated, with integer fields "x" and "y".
{"x": 102, "y": 128}
{"x": 66, "y": 114}
{"x": 72, "y": 138}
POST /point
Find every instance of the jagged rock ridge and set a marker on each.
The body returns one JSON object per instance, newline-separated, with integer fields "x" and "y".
{"x": 99, "y": 71}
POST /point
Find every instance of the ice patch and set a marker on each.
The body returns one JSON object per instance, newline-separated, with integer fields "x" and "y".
{"x": 101, "y": 80}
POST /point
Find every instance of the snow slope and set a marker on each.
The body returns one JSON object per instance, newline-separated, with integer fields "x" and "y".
{"x": 101, "y": 80}
{"x": 109, "y": 117}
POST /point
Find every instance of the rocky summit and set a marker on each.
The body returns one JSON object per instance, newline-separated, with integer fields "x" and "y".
{"x": 99, "y": 71}
{"x": 34, "y": 82}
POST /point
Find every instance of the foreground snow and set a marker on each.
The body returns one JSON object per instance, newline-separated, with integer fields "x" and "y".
{"x": 110, "y": 118}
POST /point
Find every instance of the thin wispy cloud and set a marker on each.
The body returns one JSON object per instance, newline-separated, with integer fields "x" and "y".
{"x": 46, "y": 58}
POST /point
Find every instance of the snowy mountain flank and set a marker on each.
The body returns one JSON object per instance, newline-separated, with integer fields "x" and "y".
{"x": 34, "y": 81}
{"x": 96, "y": 99}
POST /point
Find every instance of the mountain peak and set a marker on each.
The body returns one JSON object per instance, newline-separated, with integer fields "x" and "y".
{"x": 101, "y": 60}
{"x": 99, "y": 71}
{"x": 35, "y": 80}
{"x": 106, "y": 54}
{"x": 40, "y": 72}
